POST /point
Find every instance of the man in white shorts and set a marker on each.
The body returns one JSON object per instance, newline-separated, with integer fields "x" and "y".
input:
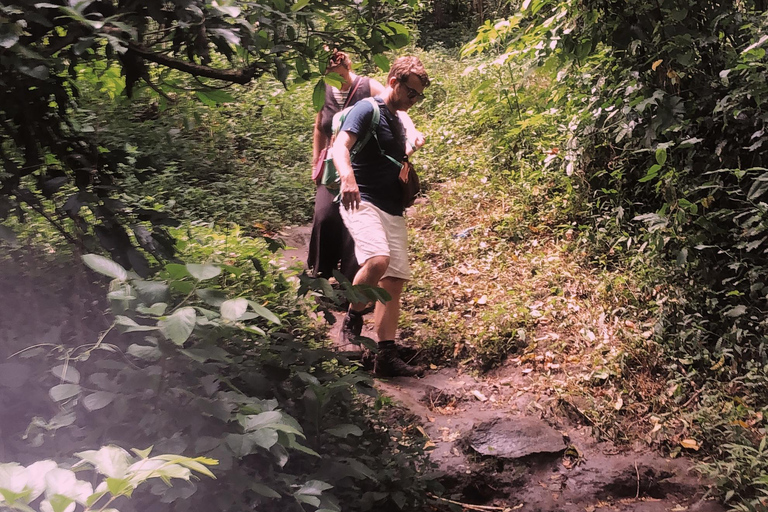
{"x": 372, "y": 202}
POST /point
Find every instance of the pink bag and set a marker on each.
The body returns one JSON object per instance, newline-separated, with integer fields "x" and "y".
{"x": 317, "y": 172}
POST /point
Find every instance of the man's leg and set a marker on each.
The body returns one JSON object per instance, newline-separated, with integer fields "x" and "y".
{"x": 386, "y": 316}
{"x": 369, "y": 274}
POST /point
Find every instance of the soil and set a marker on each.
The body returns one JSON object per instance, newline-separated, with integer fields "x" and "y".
{"x": 502, "y": 444}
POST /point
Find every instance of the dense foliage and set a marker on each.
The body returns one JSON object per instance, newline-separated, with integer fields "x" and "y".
{"x": 658, "y": 110}
{"x": 216, "y": 360}
{"x": 45, "y": 46}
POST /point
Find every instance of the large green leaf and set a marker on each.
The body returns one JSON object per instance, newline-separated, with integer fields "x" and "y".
{"x": 111, "y": 461}
{"x": 203, "y": 272}
{"x": 233, "y": 309}
{"x": 105, "y": 266}
{"x": 314, "y": 488}
{"x": 98, "y": 400}
{"x": 264, "y": 312}
{"x": 62, "y": 392}
{"x": 66, "y": 373}
{"x": 318, "y": 95}
{"x": 179, "y": 326}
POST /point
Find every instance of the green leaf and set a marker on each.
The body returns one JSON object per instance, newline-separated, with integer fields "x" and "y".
{"x": 382, "y": 62}
{"x": 309, "y": 500}
{"x": 119, "y": 486}
{"x": 176, "y": 271}
{"x": 64, "y": 391}
{"x": 179, "y": 326}
{"x": 318, "y": 95}
{"x": 157, "y": 309}
{"x": 110, "y": 461}
{"x": 13, "y": 478}
{"x": 214, "y": 298}
{"x": 130, "y": 325}
{"x": 98, "y": 400}
{"x": 60, "y": 503}
{"x": 334, "y": 80}
{"x": 203, "y": 272}
{"x": 264, "y": 312}
{"x": 66, "y": 373}
{"x": 261, "y": 420}
{"x": 299, "y": 5}
{"x": 196, "y": 464}
{"x": 661, "y": 156}
{"x": 105, "y": 266}
{"x": 146, "y": 352}
{"x": 233, "y": 309}
{"x": 152, "y": 292}
{"x": 143, "y": 454}
{"x": 345, "y": 430}
{"x": 314, "y": 488}
{"x": 265, "y": 491}
{"x": 266, "y": 438}
{"x": 36, "y": 477}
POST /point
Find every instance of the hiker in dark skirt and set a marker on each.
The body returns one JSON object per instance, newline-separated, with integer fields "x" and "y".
{"x": 330, "y": 242}
{"x": 331, "y": 246}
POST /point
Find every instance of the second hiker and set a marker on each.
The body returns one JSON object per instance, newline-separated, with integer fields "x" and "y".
{"x": 372, "y": 205}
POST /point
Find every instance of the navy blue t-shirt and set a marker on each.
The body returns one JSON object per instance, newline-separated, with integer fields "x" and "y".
{"x": 376, "y": 175}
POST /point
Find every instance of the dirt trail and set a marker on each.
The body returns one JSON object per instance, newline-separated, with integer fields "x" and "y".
{"x": 504, "y": 447}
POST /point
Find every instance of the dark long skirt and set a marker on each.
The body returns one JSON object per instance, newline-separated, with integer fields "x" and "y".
{"x": 330, "y": 246}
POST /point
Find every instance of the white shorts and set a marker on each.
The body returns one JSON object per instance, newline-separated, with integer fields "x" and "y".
{"x": 377, "y": 233}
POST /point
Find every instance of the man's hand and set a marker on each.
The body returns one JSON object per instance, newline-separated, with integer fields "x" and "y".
{"x": 350, "y": 193}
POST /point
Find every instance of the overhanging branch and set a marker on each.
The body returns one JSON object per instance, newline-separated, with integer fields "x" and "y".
{"x": 236, "y": 76}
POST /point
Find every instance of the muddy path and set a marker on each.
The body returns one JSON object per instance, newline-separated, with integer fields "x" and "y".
{"x": 503, "y": 445}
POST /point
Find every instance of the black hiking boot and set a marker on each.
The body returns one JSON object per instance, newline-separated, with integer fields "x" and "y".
{"x": 351, "y": 328}
{"x": 389, "y": 364}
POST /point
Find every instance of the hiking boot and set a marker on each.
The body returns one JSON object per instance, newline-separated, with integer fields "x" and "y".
{"x": 389, "y": 364}
{"x": 351, "y": 328}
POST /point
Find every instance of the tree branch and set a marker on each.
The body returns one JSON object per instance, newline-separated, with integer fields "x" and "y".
{"x": 237, "y": 76}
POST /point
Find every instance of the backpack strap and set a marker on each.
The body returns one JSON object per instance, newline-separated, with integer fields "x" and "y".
{"x": 377, "y": 115}
{"x": 375, "y": 120}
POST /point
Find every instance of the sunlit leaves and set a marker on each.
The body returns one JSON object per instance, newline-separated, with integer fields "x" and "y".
{"x": 105, "y": 266}
{"x": 203, "y": 272}
{"x": 178, "y": 326}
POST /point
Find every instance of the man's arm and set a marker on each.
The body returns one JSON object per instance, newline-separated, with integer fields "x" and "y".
{"x": 350, "y": 194}
{"x": 414, "y": 139}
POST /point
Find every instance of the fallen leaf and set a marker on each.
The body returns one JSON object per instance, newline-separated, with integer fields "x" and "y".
{"x": 619, "y": 404}
{"x": 691, "y": 444}
{"x": 482, "y": 300}
{"x": 656, "y": 64}
{"x": 479, "y": 395}
{"x": 433, "y": 367}
{"x": 430, "y": 419}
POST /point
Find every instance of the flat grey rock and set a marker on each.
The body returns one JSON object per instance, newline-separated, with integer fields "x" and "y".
{"x": 515, "y": 437}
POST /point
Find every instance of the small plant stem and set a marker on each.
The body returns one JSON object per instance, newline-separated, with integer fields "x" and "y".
{"x": 506, "y": 94}
{"x": 514, "y": 90}
{"x": 98, "y": 342}
{"x": 467, "y": 505}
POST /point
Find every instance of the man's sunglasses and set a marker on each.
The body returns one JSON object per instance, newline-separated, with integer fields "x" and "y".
{"x": 412, "y": 93}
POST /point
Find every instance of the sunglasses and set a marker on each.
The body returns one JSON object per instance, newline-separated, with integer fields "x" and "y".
{"x": 411, "y": 92}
